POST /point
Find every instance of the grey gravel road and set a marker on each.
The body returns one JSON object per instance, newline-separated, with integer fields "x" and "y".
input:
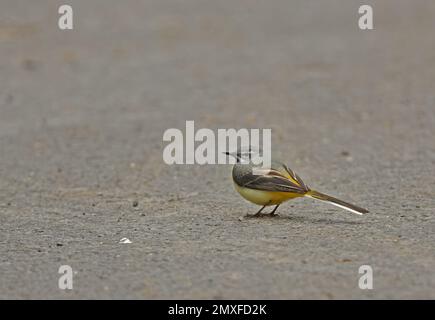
{"x": 82, "y": 115}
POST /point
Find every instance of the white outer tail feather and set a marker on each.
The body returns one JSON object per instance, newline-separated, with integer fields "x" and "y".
{"x": 336, "y": 204}
{"x": 343, "y": 207}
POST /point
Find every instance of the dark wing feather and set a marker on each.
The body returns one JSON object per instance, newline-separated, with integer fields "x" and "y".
{"x": 273, "y": 181}
{"x": 296, "y": 178}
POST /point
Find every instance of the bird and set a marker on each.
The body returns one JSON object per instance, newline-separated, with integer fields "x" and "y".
{"x": 275, "y": 185}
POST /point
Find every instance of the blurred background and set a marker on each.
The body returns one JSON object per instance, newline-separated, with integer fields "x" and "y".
{"x": 82, "y": 115}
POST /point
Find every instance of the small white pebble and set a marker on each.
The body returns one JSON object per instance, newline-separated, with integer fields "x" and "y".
{"x": 125, "y": 240}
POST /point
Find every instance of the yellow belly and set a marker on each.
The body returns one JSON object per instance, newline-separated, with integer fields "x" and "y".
{"x": 267, "y": 198}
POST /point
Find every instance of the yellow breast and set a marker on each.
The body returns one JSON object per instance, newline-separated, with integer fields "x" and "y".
{"x": 267, "y": 198}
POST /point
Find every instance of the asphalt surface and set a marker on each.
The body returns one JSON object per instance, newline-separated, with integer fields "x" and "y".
{"x": 82, "y": 115}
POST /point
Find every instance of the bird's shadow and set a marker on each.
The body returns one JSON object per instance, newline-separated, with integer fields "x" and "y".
{"x": 303, "y": 219}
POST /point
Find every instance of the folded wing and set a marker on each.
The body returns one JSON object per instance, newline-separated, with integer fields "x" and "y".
{"x": 276, "y": 180}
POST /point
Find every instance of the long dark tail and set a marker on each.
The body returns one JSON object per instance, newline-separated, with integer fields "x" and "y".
{"x": 336, "y": 202}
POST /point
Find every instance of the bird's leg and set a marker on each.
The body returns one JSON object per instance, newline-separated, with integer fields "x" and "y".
{"x": 273, "y": 211}
{"x": 259, "y": 211}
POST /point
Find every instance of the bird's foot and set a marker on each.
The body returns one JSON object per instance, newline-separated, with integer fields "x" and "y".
{"x": 255, "y": 215}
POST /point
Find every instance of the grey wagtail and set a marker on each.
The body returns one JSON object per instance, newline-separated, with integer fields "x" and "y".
{"x": 275, "y": 185}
